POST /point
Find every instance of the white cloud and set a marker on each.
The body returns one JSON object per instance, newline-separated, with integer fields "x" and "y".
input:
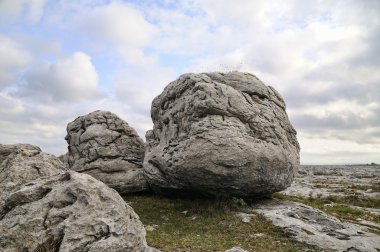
{"x": 232, "y": 61}
{"x": 321, "y": 56}
{"x": 31, "y": 10}
{"x": 137, "y": 87}
{"x": 318, "y": 150}
{"x": 10, "y": 105}
{"x": 340, "y": 108}
{"x": 45, "y": 134}
{"x": 12, "y": 58}
{"x": 121, "y": 25}
{"x": 69, "y": 79}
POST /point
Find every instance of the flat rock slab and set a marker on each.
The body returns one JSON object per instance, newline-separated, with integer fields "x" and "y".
{"x": 236, "y": 249}
{"x": 220, "y": 134}
{"x": 106, "y": 147}
{"x": 69, "y": 212}
{"x": 314, "y": 227}
{"x": 21, "y": 163}
{"x": 336, "y": 180}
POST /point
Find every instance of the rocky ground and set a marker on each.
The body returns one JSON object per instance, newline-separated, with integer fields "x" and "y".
{"x": 327, "y": 208}
{"x": 225, "y": 136}
{"x": 336, "y": 208}
{"x": 339, "y": 180}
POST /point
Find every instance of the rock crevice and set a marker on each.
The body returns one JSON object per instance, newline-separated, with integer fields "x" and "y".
{"x": 22, "y": 163}
{"x": 106, "y": 147}
{"x": 72, "y": 212}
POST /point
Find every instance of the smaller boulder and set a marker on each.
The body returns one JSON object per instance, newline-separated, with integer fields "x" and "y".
{"x": 106, "y": 147}
{"x": 21, "y": 163}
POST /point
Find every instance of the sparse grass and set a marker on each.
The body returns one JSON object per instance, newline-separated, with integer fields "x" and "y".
{"x": 375, "y": 187}
{"x": 338, "y": 206}
{"x": 329, "y": 181}
{"x": 375, "y": 231}
{"x": 208, "y": 225}
{"x": 358, "y": 189}
{"x": 347, "y": 186}
{"x": 355, "y": 200}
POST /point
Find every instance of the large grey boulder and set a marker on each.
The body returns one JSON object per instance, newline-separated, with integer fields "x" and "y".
{"x": 69, "y": 212}
{"x": 220, "y": 134}
{"x": 21, "y": 163}
{"x": 106, "y": 147}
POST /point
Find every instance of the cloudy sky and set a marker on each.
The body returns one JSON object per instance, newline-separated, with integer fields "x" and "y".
{"x": 60, "y": 59}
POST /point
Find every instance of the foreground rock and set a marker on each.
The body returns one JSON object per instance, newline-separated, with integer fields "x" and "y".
{"x": 314, "y": 227}
{"x": 21, "y": 163}
{"x": 106, "y": 147}
{"x": 220, "y": 134}
{"x": 69, "y": 212}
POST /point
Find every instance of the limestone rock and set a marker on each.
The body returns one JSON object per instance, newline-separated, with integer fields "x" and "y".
{"x": 317, "y": 181}
{"x": 220, "y": 134}
{"x": 69, "y": 212}
{"x": 314, "y": 227}
{"x": 21, "y": 163}
{"x": 245, "y": 217}
{"x": 64, "y": 159}
{"x": 106, "y": 147}
{"x": 236, "y": 249}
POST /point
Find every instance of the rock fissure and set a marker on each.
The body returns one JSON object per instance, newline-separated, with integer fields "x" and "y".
{"x": 20, "y": 199}
{"x": 70, "y": 212}
{"x": 107, "y": 148}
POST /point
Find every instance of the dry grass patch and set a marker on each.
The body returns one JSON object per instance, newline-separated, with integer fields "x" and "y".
{"x": 208, "y": 225}
{"x": 339, "y": 206}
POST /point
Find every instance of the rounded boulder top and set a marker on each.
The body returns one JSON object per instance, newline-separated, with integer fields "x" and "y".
{"x": 105, "y": 146}
{"x": 22, "y": 163}
{"x": 220, "y": 134}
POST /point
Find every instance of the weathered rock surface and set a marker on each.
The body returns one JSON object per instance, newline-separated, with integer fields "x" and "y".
{"x": 359, "y": 181}
{"x": 236, "y": 249}
{"x": 21, "y": 163}
{"x": 69, "y": 212}
{"x": 317, "y": 228}
{"x": 220, "y": 134}
{"x": 106, "y": 147}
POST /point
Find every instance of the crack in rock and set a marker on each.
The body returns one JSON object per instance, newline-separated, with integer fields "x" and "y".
{"x": 70, "y": 212}
{"x": 106, "y": 147}
{"x": 317, "y": 228}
